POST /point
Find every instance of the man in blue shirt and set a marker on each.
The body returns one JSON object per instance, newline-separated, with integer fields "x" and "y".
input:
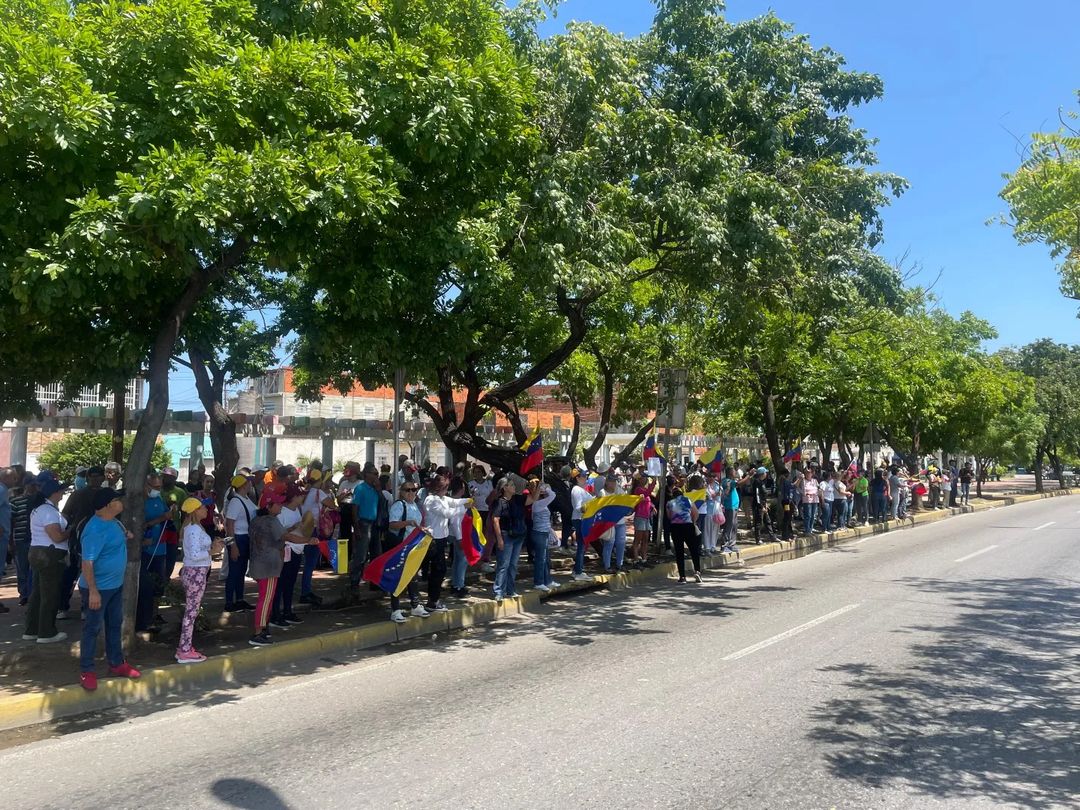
{"x": 365, "y": 504}
{"x": 104, "y": 558}
{"x": 152, "y": 570}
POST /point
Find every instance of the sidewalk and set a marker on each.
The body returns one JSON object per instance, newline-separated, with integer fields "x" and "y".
{"x": 39, "y": 682}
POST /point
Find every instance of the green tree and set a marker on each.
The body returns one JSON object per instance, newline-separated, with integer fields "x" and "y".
{"x": 74, "y": 450}
{"x": 1044, "y": 198}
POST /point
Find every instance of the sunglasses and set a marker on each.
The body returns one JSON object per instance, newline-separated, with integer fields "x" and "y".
{"x": 410, "y": 489}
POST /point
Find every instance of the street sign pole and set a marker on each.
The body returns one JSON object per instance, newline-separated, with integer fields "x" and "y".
{"x": 670, "y": 413}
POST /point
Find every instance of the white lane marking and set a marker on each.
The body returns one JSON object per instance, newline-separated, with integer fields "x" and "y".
{"x": 975, "y": 554}
{"x": 1051, "y": 523}
{"x": 794, "y": 631}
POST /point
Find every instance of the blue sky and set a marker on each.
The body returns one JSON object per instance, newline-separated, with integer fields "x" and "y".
{"x": 964, "y": 80}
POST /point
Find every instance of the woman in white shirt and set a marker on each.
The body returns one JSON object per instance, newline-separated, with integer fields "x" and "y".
{"x": 440, "y": 510}
{"x": 540, "y": 498}
{"x": 405, "y": 515}
{"x": 198, "y": 548}
{"x": 809, "y": 497}
{"x": 240, "y": 510}
{"x": 48, "y": 559}
{"x": 579, "y": 496}
{"x": 298, "y": 534}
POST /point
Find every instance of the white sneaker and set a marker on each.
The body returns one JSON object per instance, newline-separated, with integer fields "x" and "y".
{"x": 28, "y": 637}
{"x": 440, "y": 608}
{"x": 582, "y": 577}
{"x": 543, "y": 588}
{"x": 61, "y": 614}
{"x": 553, "y": 586}
{"x": 398, "y": 616}
{"x": 53, "y": 639}
{"x": 420, "y": 611}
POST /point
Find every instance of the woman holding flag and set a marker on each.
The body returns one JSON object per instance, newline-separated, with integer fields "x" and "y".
{"x": 579, "y": 496}
{"x": 405, "y": 516}
{"x": 684, "y": 517}
{"x": 540, "y": 498}
{"x": 440, "y": 511}
{"x": 643, "y": 515}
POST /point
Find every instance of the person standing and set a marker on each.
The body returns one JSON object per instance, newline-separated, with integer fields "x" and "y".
{"x": 20, "y": 535}
{"x": 48, "y": 559}
{"x": 617, "y": 541}
{"x": 240, "y": 510}
{"x": 643, "y": 516}
{"x": 173, "y": 495}
{"x": 440, "y": 511}
{"x": 405, "y": 515}
{"x": 78, "y": 509}
{"x": 267, "y": 556}
{"x": 299, "y": 534}
{"x": 710, "y": 529}
{"x": 827, "y": 492}
{"x": 894, "y": 493}
{"x": 879, "y": 497}
{"x": 759, "y": 505}
{"x": 198, "y": 549}
{"x": 365, "y": 503}
{"x": 729, "y": 501}
{"x": 459, "y": 564}
{"x": 152, "y": 572}
{"x": 684, "y": 517}
{"x": 541, "y": 497}
{"x": 313, "y": 506}
{"x": 7, "y": 476}
{"x": 786, "y": 491}
{"x": 966, "y": 476}
{"x": 508, "y": 521}
{"x": 104, "y": 558}
{"x": 809, "y": 495}
{"x": 861, "y": 487}
{"x": 579, "y": 496}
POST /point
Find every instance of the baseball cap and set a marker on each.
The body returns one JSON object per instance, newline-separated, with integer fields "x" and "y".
{"x": 50, "y": 486}
{"x": 762, "y": 471}
{"x": 238, "y": 481}
{"x": 170, "y": 471}
{"x": 104, "y": 496}
{"x": 315, "y": 475}
{"x": 190, "y": 505}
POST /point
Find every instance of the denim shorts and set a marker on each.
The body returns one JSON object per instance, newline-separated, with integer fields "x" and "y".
{"x": 641, "y": 524}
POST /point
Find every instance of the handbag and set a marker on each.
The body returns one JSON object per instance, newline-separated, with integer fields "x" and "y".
{"x": 719, "y": 518}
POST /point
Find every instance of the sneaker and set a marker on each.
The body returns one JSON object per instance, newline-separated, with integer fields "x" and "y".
{"x": 29, "y": 637}
{"x": 260, "y": 640}
{"x": 460, "y": 593}
{"x": 280, "y": 624}
{"x": 439, "y": 608}
{"x": 52, "y": 639}
{"x": 420, "y": 611}
{"x": 61, "y": 615}
{"x": 398, "y": 616}
{"x": 243, "y": 606}
{"x": 582, "y": 577}
{"x": 125, "y": 670}
{"x": 553, "y": 585}
{"x": 697, "y": 577}
{"x": 310, "y": 599}
{"x": 23, "y": 601}
{"x": 192, "y": 656}
{"x": 682, "y": 580}
{"x": 292, "y": 618}
{"x": 230, "y": 608}
{"x": 542, "y": 588}
{"x": 88, "y": 681}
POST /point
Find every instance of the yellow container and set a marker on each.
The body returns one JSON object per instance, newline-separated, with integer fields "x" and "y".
{"x": 342, "y": 555}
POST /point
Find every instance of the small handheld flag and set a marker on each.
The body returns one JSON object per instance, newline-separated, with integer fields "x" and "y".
{"x": 600, "y": 514}
{"x": 473, "y": 541}
{"x": 534, "y": 453}
{"x": 652, "y": 451}
{"x": 794, "y": 454}
{"x": 394, "y": 570}
{"x": 697, "y": 497}
{"x": 713, "y": 458}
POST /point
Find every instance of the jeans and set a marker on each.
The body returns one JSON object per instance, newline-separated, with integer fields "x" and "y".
{"x": 861, "y": 512}
{"x": 69, "y": 580}
{"x": 361, "y": 541}
{"x": 895, "y": 505}
{"x": 731, "y": 528}
{"x": 826, "y": 515}
{"x": 459, "y": 566}
{"x": 618, "y": 543}
{"x": 283, "y": 596}
{"x": 151, "y": 580}
{"x": 809, "y": 513}
{"x": 111, "y": 613}
{"x": 312, "y": 555}
{"x": 579, "y": 554}
{"x": 877, "y": 508}
{"x": 538, "y": 538}
{"x": 48, "y": 563}
{"x": 234, "y": 583}
{"x": 436, "y": 570}
{"x": 965, "y": 488}
{"x": 844, "y": 514}
{"x": 683, "y": 535}
{"x": 23, "y": 574}
{"x": 506, "y": 565}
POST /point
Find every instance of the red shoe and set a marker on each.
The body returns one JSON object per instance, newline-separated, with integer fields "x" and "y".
{"x": 125, "y": 670}
{"x": 88, "y": 680}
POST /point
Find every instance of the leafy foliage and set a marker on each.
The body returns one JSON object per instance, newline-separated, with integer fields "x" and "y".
{"x": 66, "y": 454}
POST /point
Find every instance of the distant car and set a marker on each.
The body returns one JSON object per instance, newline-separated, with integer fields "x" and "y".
{"x": 1021, "y": 471}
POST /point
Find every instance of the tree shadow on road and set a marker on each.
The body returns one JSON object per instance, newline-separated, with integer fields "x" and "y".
{"x": 988, "y": 708}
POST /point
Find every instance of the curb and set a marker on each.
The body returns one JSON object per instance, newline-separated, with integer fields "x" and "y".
{"x": 39, "y": 707}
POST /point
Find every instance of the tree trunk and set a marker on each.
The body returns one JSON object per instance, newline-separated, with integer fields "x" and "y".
{"x": 639, "y": 437}
{"x": 605, "y": 413}
{"x": 772, "y": 435}
{"x": 153, "y": 416}
{"x": 1039, "y": 452}
{"x": 575, "y": 434}
{"x": 210, "y": 383}
{"x": 1059, "y": 468}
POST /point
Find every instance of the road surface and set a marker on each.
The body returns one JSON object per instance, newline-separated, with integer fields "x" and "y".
{"x": 937, "y": 667}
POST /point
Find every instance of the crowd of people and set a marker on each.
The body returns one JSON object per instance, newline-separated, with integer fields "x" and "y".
{"x": 277, "y": 526}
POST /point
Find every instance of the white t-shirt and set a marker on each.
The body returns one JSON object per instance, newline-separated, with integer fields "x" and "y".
{"x": 235, "y": 511}
{"x": 196, "y": 546}
{"x": 313, "y": 504}
{"x": 480, "y": 492}
{"x": 46, "y": 515}
{"x": 579, "y": 496}
{"x": 345, "y": 489}
{"x": 290, "y": 518}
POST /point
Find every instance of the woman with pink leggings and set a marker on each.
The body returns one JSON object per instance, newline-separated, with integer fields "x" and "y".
{"x": 198, "y": 549}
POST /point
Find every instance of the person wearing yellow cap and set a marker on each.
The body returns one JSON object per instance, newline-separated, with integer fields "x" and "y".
{"x": 198, "y": 548}
{"x": 240, "y": 510}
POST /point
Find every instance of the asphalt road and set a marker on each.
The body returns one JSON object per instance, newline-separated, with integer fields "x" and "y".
{"x": 936, "y": 667}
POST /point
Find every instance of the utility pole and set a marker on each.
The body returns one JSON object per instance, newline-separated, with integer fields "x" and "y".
{"x": 670, "y": 413}
{"x": 399, "y": 390}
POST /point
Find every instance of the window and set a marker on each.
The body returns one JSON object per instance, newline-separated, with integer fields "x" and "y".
{"x": 303, "y": 408}
{"x": 337, "y": 411}
{"x": 369, "y": 411}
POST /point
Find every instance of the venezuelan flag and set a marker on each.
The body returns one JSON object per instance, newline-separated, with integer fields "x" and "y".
{"x": 473, "y": 541}
{"x": 394, "y": 570}
{"x": 600, "y": 514}
{"x": 651, "y": 450}
{"x": 534, "y": 453}
{"x": 794, "y": 454}
{"x": 713, "y": 458}
{"x": 696, "y": 497}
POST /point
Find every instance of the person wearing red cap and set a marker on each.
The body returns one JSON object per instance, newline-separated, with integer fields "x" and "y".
{"x": 298, "y": 535}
